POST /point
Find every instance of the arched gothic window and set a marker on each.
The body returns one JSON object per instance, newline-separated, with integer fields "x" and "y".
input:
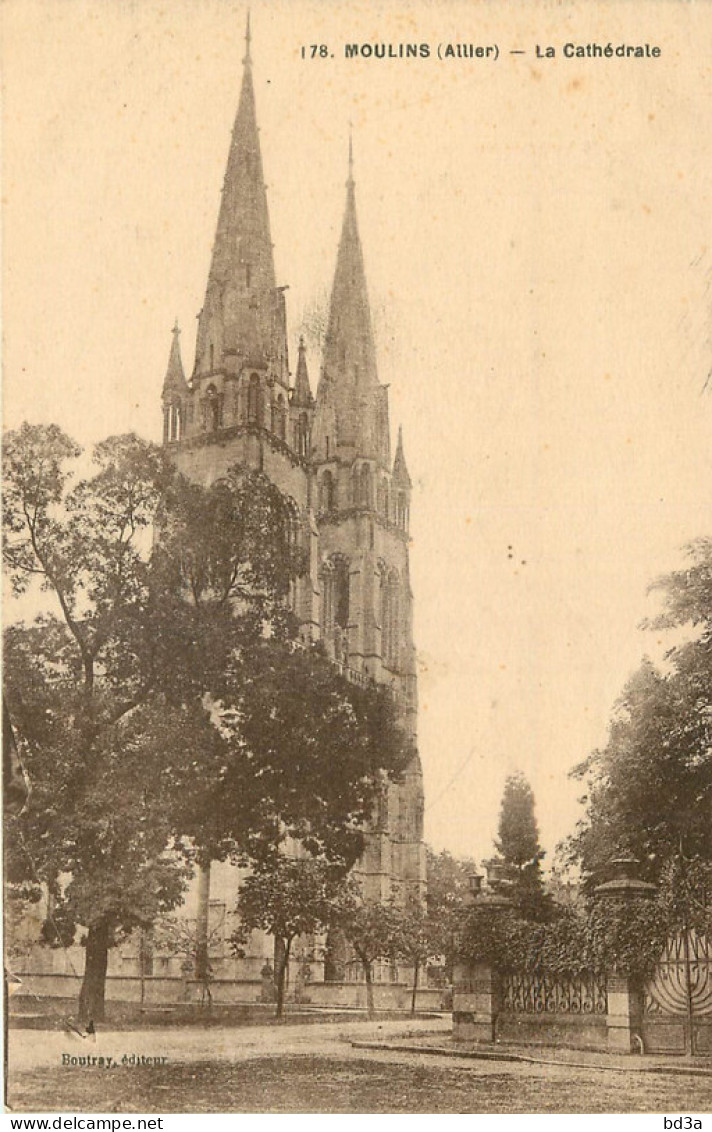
{"x": 402, "y": 511}
{"x": 281, "y": 429}
{"x": 176, "y": 420}
{"x": 335, "y": 594}
{"x": 341, "y": 593}
{"x": 327, "y": 493}
{"x": 390, "y": 619}
{"x": 173, "y": 421}
{"x": 292, "y": 532}
{"x": 327, "y": 597}
{"x": 303, "y": 434}
{"x": 212, "y": 409}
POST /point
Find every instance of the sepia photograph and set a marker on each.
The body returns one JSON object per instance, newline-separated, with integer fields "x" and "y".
{"x": 357, "y": 558}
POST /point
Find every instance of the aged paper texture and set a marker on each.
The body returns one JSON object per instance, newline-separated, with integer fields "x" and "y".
{"x": 476, "y": 314}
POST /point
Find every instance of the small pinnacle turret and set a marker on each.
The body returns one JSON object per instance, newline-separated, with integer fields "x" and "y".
{"x": 302, "y": 389}
{"x": 400, "y": 468}
{"x": 174, "y": 383}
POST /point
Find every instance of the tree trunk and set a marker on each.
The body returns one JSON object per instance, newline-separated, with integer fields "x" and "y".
{"x": 335, "y": 958}
{"x": 91, "y": 996}
{"x": 282, "y": 975}
{"x": 202, "y": 958}
{"x": 371, "y": 1009}
{"x": 416, "y": 971}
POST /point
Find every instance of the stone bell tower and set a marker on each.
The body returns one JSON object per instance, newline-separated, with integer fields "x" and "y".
{"x": 363, "y": 506}
{"x": 330, "y": 455}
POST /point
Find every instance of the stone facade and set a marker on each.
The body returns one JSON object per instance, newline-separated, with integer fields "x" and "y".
{"x": 329, "y": 453}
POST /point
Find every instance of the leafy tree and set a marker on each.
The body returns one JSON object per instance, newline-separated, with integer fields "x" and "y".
{"x": 287, "y": 898}
{"x": 448, "y": 896}
{"x": 417, "y": 938}
{"x": 685, "y": 895}
{"x": 649, "y": 790}
{"x": 448, "y": 880}
{"x": 79, "y": 691}
{"x": 371, "y": 929}
{"x": 165, "y": 710}
{"x": 518, "y": 833}
{"x": 518, "y": 843}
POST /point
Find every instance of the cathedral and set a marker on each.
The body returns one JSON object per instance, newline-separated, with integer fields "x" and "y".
{"x": 330, "y": 454}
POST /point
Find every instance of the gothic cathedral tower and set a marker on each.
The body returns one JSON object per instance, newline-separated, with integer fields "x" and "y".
{"x": 330, "y": 455}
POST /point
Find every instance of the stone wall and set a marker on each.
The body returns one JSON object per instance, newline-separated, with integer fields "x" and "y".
{"x": 585, "y": 1013}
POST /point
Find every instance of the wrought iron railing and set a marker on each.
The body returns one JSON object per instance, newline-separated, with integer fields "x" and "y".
{"x": 538, "y": 993}
{"x": 682, "y": 981}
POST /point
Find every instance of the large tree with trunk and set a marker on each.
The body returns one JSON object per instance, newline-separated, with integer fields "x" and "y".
{"x": 163, "y": 705}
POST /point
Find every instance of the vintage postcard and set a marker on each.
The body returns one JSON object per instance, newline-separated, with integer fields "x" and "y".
{"x": 357, "y": 688}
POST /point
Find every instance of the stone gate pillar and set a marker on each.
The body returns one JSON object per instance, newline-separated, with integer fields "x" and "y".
{"x": 477, "y": 987}
{"x": 625, "y": 1005}
{"x": 476, "y": 1002}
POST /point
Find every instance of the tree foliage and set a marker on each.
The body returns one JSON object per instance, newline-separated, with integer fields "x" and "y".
{"x": 288, "y": 898}
{"x": 418, "y": 938}
{"x": 164, "y": 707}
{"x": 518, "y": 832}
{"x": 649, "y": 790}
{"x": 448, "y": 895}
{"x": 79, "y": 684}
{"x": 521, "y": 852}
{"x": 610, "y": 936}
{"x": 371, "y": 928}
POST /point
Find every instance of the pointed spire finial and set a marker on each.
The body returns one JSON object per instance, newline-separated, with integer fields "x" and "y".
{"x": 351, "y": 155}
{"x": 248, "y": 40}
{"x": 400, "y": 468}
{"x": 302, "y": 388}
{"x": 174, "y": 381}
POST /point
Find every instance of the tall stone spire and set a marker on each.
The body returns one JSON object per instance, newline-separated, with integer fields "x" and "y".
{"x": 243, "y": 234}
{"x": 350, "y": 351}
{"x": 242, "y": 314}
{"x": 174, "y": 383}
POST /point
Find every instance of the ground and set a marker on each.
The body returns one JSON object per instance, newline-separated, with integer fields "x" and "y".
{"x": 321, "y": 1084}
{"x": 316, "y": 1069}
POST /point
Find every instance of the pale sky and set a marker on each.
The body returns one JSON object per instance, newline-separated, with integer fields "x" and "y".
{"x": 537, "y": 243}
